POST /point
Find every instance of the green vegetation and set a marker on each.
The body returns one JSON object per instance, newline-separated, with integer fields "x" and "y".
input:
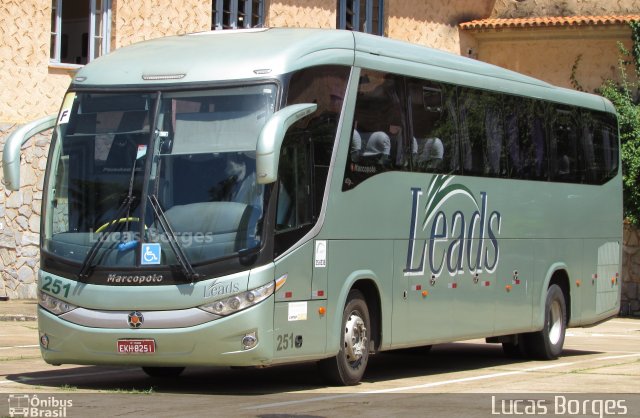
{"x": 134, "y": 391}
{"x": 625, "y": 96}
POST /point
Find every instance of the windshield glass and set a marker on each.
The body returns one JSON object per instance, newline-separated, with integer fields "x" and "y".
{"x": 198, "y": 154}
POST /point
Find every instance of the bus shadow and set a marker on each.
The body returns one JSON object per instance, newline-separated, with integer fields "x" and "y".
{"x": 445, "y": 359}
{"x": 399, "y": 364}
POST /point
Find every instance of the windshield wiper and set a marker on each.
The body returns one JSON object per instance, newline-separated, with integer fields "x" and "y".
{"x": 125, "y": 206}
{"x": 87, "y": 266}
{"x": 187, "y": 268}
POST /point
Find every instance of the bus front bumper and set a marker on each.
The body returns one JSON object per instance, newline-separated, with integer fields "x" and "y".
{"x": 214, "y": 343}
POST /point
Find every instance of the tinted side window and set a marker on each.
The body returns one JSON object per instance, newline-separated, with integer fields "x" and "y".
{"x": 526, "y": 138}
{"x": 566, "y": 160}
{"x": 600, "y": 144}
{"x": 434, "y": 136}
{"x": 306, "y": 151}
{"x": 378, "y": 137}
{"x": 481, "y": 133}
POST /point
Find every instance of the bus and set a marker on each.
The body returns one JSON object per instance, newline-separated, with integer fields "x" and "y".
{"x": 268, "y": 196}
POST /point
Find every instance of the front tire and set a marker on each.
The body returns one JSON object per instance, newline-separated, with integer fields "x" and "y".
{"x": 348, "y": 366}
{"x": 547, "y": 343}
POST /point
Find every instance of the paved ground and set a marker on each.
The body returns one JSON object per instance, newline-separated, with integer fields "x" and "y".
{"x": 598, "y": 375}
{"x": 18, "y": 310}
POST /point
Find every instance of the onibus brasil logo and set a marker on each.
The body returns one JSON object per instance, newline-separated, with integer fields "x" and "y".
{"x": 24, "y": 405}
{"x": 455, "y": 240}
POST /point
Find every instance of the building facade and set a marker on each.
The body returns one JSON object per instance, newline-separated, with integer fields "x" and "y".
{"x": 44, "y": 42}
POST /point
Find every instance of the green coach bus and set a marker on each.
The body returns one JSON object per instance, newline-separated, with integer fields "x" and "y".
{"x": 259, "y": 197}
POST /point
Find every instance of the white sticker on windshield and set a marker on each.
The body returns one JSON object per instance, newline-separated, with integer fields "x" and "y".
{"x": 142, "y": 151}
{"x": 65, "y": 112}
{"x": 297, "y": 311}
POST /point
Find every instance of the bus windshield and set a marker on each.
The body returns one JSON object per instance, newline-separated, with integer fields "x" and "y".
{"x": 156, "y": 168}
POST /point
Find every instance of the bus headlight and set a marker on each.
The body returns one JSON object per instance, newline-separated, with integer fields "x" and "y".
{"x": 240, "y": 301}
{"x": 54, "y": 305}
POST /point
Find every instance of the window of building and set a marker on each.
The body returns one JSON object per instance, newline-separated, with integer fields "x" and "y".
{"x": 361, "y": 16}
{"x": 80, "y": 30}
{"x": 237, "y": 14}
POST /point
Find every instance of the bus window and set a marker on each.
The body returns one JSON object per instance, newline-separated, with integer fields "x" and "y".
{"x": 307, "y": 150}
{"x": 98, "y": 155}
{"x": 378, "y": 137}
{"x": 526, "y": 138}
{"x": 426, "y": 107}
{"x": 566, "y": 163}
{"x": 325, "y": 86}
{"x": 600, "y": 145}
{"x": 295, "y": 202}
{"x": 481, "y": 132}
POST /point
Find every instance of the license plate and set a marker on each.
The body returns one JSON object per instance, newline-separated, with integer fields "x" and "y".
{"x": 136, "y": 346}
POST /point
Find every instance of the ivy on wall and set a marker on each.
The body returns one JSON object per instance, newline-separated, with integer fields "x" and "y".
{"x": 625, "y": 96}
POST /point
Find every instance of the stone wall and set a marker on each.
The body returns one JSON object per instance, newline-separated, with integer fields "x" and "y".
{"x": 630, "y": 303}
{"x": 136, "y": 21}
{"x": 31, "y": 88}
{"x": 301, "y": 14}
{"x": 20, "y": 220}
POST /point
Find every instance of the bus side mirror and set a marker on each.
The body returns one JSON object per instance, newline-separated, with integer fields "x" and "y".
{"x": 11, "y": 153}
{"x": 271, "y": 137}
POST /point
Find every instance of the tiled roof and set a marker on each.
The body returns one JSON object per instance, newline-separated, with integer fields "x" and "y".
{"x": 548, "y": 21}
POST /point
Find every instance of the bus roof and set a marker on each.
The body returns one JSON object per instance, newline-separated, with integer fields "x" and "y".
{"x": 258, "y": 53}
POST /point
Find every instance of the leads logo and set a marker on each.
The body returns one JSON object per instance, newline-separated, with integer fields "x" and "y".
{"x": 459, "y": 243}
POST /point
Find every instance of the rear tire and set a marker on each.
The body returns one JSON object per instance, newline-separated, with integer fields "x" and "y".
{"x": 547, "y": 343}
{"x": 165, "y": 372}
{"x": 348, "y": 366}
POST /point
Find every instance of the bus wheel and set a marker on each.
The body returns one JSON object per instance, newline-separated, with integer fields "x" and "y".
{"x": 547, "y": 343}
{"x": 163, "y": 371}
{"x": 348, "y": 366}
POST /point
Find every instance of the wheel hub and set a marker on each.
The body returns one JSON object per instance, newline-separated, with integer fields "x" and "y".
{"x": 555, "y": 322}
{"x": 355, "y": 338}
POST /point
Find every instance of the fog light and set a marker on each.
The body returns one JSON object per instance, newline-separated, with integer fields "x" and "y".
{"x": 44, "y": 341}
{"x": 249, "y": 341}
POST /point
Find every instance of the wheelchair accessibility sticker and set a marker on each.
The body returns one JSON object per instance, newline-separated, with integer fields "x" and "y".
{"x": 150, "y": 253}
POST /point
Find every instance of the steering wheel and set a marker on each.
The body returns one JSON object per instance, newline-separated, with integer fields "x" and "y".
{"x": 117, "y": 221}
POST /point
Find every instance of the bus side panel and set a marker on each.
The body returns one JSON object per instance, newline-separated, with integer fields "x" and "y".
{"x": 557, "y": 256}
{"x": 603, "y": 279}
{"x": 422, "y": 311}
{"x": 298, "y": 267}
{"x": 475, "y": 307}
{"x": 349, "y": 261}
{"x": 299, "y": 329}
{"x": 515, "y": 283}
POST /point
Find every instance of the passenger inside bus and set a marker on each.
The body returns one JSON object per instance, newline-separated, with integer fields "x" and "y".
{"x": 377, "y": 149}
{"x": 240, "y": 185}
{"x": 432, "y": 153}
